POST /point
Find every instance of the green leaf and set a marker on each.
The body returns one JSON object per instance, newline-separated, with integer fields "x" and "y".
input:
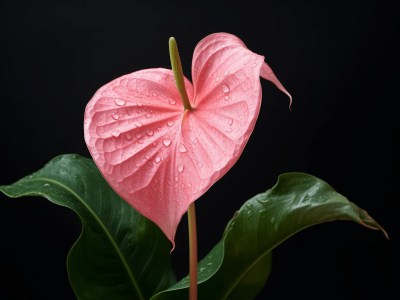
{"x": 119, "y": 254}
{"x": 238, "y": 267}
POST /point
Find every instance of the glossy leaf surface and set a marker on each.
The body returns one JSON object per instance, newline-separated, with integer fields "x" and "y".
{"x": 239, "y": 265}
{"x": 159, "y": 157}
{"x": 119, "y": 255}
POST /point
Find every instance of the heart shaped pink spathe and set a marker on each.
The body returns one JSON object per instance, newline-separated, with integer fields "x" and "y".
{"x": 160, "y": 158}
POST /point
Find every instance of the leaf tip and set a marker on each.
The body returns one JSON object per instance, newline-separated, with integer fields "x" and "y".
{"x": 367, "y": 221}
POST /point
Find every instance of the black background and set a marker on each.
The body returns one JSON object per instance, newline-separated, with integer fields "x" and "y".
{"x": 339, "y": 60}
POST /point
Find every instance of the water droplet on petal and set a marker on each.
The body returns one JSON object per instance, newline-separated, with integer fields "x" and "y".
{"x": 226, "y": 73}
{"x": 225, "y": 89}
{"x": 195, "y": 141}
{"x": 138, "y": 135}
{"x": 182, "y": 148}
{"x": 172, "y": 101}
{"x": 128, "y": 136}
{"x": 139, "y": 124}
{"x": 116, "y": 133}
{"x": 120, "y": 102}
{"x": 230, "y": 121}
{"x": 226, "y": 97}
{"x": 150, "y": 132}
{"x": 157, "y": 159}
{"x": 115, "y": 116}
{"x": 148, "y": 115}
{"x": 180, "y": 168}
{"x": 154, "y": 143}
{"x": 166, "y": 142}
{"x": 170, "y": 123}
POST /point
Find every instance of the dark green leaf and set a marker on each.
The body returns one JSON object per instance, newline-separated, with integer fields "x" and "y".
{"x": 119, "y": 254}
{"x": 239, "y": 265}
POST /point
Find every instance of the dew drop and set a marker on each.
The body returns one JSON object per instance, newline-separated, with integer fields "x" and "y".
{"x": 176, "y": 178}
{"x": 148, "y": 115}
{"x": 138, "y": 135}
{"x": 115, "y": 116}
{"x": 140, "y": 141}
{"x": 157, "y": 159}
{"x": 128, "y": 136}
{"x": 46, "y": 185}
{"x": 166, "y": 142}
{"x": 139, "y": 124}
{"x": 154, "y": 143}
{"x": 225, "y": 89}
{"x": 226, "y": 73}
{"x": 170, "y": 123}
{"x": 172, "y": 101}
{"x": 226, "y": 97}
{"x": 116, "y": 133}
{"x": 182, "y": 148}
{"x": 150, "y": 132}
{"x": 120, "y": 102}
{"x": 140, "y": 104}
{"x": 180, "y": 168}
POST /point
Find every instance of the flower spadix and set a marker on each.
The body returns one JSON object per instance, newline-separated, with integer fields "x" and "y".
{"x": 159, "y": 156}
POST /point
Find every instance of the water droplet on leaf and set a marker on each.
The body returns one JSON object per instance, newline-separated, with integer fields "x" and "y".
{"x": 182, "y": 148}
{"x": 128, "y": 136}
{"x": 120, "y": 102}
{"x": 166, "y": 142}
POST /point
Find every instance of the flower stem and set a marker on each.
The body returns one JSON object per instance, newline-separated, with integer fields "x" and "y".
{"x": 178, "y": 73}
{"x": 192, "y": 252}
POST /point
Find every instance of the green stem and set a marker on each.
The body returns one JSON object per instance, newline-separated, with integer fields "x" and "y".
{"x": 192, "y": 252}
{"x": 178, "y": 73}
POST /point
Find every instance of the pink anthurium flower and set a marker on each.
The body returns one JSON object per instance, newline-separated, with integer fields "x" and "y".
{"x": 160, "y": 157}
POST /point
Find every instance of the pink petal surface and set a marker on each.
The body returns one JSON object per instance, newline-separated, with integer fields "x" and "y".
{"x": 160, "y": 158}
